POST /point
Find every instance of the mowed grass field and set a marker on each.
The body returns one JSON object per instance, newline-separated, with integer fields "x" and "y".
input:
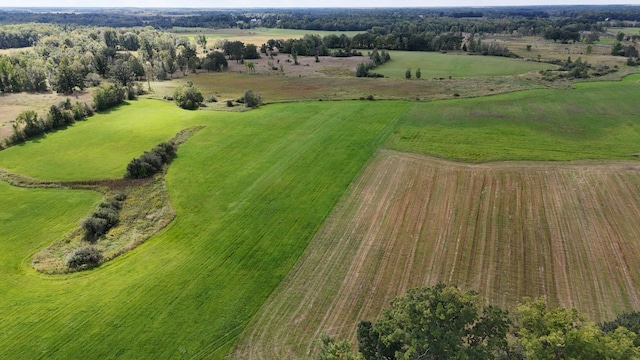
{"x": 567, "y": 232}
{"x": 597, "y": 120}
{"x": 460, "y": 64}
{"x": 99, "y": 148}
{"x": 250, "y": 191}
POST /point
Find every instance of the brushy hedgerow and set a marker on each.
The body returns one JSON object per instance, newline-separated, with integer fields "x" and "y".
{"x": 151, "y": 162}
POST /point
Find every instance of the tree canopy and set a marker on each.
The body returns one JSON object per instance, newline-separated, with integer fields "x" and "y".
{"x": 443, "y": 322}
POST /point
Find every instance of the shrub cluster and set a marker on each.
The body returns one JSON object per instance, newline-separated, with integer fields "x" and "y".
{"x": 489, "y": 49}
{"x": 151, "y": 162}
{"x": 188, "y": 97}
{"x": 109, "y": 96}
{"x": 87, "y": 257}
{"x": 250, "y": 99}
{"x": 375, "y": 59}
{"x": 29, "y": 125}
{"x": 103, "y": 219}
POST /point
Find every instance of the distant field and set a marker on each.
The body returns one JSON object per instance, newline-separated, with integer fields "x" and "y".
{"x": 597, "y": 120}
{"x": 250, "y": 191}
{"x": 275, "y": 88}
{"x": 568, "y": 232}
{"x": 437, "y": 65}
{"x": 254, "y": 36}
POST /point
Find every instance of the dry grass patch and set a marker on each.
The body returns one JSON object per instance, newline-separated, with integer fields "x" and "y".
{"x": 275, "y": 88}
{"x": 14, "y": 104}
{"x": 566, "y": 231}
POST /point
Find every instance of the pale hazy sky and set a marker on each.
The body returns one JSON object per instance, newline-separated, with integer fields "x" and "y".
{"x": 298, "y": 3}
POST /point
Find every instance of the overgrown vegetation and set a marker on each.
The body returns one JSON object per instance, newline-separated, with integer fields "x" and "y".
{"x": 84, "y": 258}
{"x": 29, "y": 124}
{"x": 108, "y": 96}
{"x": 102, "y": 219}
{"x": 375, "y": 59}
{"x": 250, "y": 99}
{"x": 188, "y": 97}
{"x": 151, "y": 162}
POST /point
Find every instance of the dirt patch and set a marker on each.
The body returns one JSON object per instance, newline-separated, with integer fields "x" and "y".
{"x": 566, "y": 231}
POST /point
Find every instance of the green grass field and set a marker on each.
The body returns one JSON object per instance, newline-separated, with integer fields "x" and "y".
{"x": 597, "y": 120}
{"x": 437, "y": 65}
{"x": 250, "y": 190}
{"x": 31, "y": 219}
{"x": 98, "y": 148}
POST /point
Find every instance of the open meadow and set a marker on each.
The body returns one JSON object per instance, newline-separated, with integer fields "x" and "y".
{"x": 456, "y": 64}
{"x": 250, "y": 191}
{"x": 596, "y": 120}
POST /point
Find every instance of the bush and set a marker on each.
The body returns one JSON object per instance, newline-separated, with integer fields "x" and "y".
{"x": 88, "y": 257}
{"x": 188, "y": 97}
{"x": 250, "y": 99}
{"x": 151, "y": 162}
{"x": 102, "y": 220}
{"x": 108, "y": 96}
{"x": 94, "y": 227}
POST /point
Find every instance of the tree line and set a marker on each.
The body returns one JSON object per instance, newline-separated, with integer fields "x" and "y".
{"x": 443, "y": 322}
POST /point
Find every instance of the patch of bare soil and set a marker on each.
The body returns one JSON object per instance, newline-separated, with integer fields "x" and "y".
{"x": 565, "y": 231}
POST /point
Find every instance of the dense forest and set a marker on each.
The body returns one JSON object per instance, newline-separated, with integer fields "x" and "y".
{"x": 533, "y": 19}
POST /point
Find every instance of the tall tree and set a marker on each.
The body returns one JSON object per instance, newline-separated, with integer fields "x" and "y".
{"x": 68, "y": 77}
{"x": 439, "y": 322}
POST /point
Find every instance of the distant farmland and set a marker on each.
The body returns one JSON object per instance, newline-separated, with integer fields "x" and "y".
{"x": 568, "y": 232}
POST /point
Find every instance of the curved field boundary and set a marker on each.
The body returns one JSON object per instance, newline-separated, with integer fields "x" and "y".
{"x": 565, "y": 231}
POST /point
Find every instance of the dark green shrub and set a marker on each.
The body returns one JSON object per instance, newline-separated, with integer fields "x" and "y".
{"x": 88, "y": 257}
{"x": 102, "y": 220}
{"x": 94, "y": 227}
{"x": 151, "y": 162}
{"x": 188, "y": 97}
{"x": 251, "y": 99}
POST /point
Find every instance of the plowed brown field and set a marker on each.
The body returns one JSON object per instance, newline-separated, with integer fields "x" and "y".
{"x": 566, "y": 231}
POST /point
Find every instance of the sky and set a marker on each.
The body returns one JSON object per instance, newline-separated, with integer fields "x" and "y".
{"x": 298, "y": 3}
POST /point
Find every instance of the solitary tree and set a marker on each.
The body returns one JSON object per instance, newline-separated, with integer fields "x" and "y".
{"x": 202, "y": 41}
{"x": 418, "y": 74}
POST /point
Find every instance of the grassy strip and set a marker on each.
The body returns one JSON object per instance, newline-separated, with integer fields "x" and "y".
{"x": 598, "y": 120}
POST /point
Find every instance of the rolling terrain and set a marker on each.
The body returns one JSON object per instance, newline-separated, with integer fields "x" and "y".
{"x": 253, "y": 189}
